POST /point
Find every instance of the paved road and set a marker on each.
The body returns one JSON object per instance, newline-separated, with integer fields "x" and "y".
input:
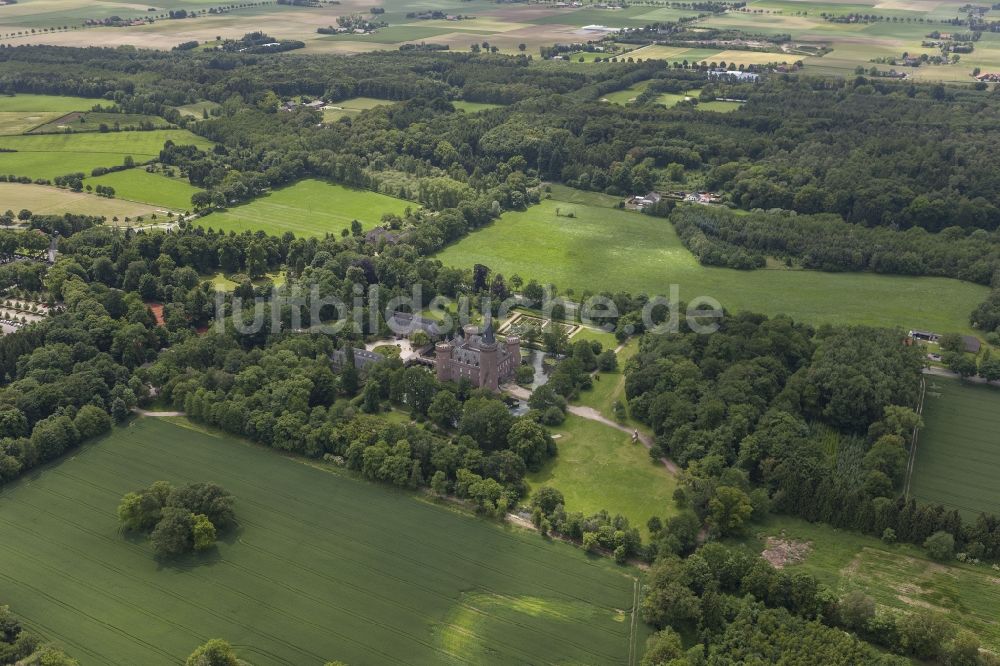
{"x": 944, "y": 372}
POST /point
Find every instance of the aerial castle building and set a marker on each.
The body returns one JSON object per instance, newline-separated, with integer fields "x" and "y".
{"x": 478, "y": 358}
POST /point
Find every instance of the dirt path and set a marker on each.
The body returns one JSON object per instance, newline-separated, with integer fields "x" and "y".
{"x": 144, "y": 412}
{"x": 593, "y": 415}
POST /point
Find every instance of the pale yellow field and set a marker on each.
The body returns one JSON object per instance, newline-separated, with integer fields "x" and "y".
{"x": 18, "y": 122}
{"x": 485, "y": 24}
{"x": 54, "y": 201}
{"x": 751, "y": 57}
{"x": 657, "y": 52}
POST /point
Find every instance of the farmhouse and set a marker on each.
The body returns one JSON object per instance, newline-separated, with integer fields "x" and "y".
{"x": 478, "y": 358}
{"x": 639, "y": 202}
{"x": 735, "y": 75}
{"x": 925, "y": 336}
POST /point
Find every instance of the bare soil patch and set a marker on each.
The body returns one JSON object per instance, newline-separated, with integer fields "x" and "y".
{"x": 782, "y": 552}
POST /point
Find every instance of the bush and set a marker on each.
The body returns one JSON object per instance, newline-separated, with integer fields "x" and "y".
{"x": 940, "y": 546}
{"x": 553, "y": 416}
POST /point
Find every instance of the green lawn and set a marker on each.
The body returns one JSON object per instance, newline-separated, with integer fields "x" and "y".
{"x": 321, "y": 567}
{"x": 958, "y": 451}
{"x": 222, "y": 282}
{"x": 51, "y": 155}
{"x": 899, "y": 577}
{"x": 603, "y": 249}
{"x": 154, "y": 188}
{"x": 308, "y": 208}
{"x": 598, "y": 467}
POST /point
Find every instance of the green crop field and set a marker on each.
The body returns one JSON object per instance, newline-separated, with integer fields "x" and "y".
{"x": 308, "y": 208}
{"x": 45, "y": 200}
{"x": 153, "y": 188}
{"x": 47, "y": 103}
{"x": 598, "y": 467}
{"x": 958, "y": 451}
{"x": 898, "y": 577}
{"x": 321, "y": 567}
{"x": 51, "y": 155}
{"x": 604, "y": 249}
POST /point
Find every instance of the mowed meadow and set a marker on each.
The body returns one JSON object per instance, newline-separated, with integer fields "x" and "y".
{"x": 958, "y": 450}
{"x": 307, "y": 208}
{"x": 321, "y": 567}
{"x": 591, "y": 247}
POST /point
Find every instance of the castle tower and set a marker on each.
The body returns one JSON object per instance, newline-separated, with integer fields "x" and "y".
{"x": 442, "y": 361}
{"x": 514, "y": 349}
{"x": 489, "y": 359}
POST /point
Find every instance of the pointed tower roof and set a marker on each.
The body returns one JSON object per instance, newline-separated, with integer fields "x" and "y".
{"x": 488, "y": 336}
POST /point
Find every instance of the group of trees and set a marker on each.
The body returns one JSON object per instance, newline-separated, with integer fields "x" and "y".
{"x": 743, "y": 610}
{"x": 753, "y": 411}
{"x": 720, "y": 237}
{"x": 178, "y": 520}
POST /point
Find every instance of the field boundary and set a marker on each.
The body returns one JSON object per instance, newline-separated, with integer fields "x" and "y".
{"x": 911, "y": 463}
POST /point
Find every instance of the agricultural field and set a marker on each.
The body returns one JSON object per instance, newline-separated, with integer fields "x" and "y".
{"x": 152, "y": 188}
{"x": 22, "y": 113}
{"x": 51, "y": 155}
{"x": 599, "y": 467}
{"x": 92, "y": 121}
{"x": 898, "y": 577}
{"x": 856, "y": 44}
{"x": 45, "y": 200}
{"x": 307, "y": 208}
{"x": 351, "y": 107}
{"x": 605, "y": 249}
{"x": 958, "y": 451}
{"x": 321, "y": 567}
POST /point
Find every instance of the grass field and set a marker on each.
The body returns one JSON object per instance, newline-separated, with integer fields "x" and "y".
{"x": 54, "y": 201}
{"x": 197, "y": 109}
{"x": 91, "y": 121}
{"x": 605, "y": 249}
{"x": 321, "y": 567}
{"x": 153, "y": 188}
{"x": 21, "y": 113}
{"x": 49, "y": 103}
{"x": 899, "y": 577}
{"x": 473, "y": 107}
{"x": 308, "y": 208}
{"x": 958, "y": 451}
{"x": 51, "y": 155}
{"x": 599, "y": 467}
{"x": 351, "y": 107}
